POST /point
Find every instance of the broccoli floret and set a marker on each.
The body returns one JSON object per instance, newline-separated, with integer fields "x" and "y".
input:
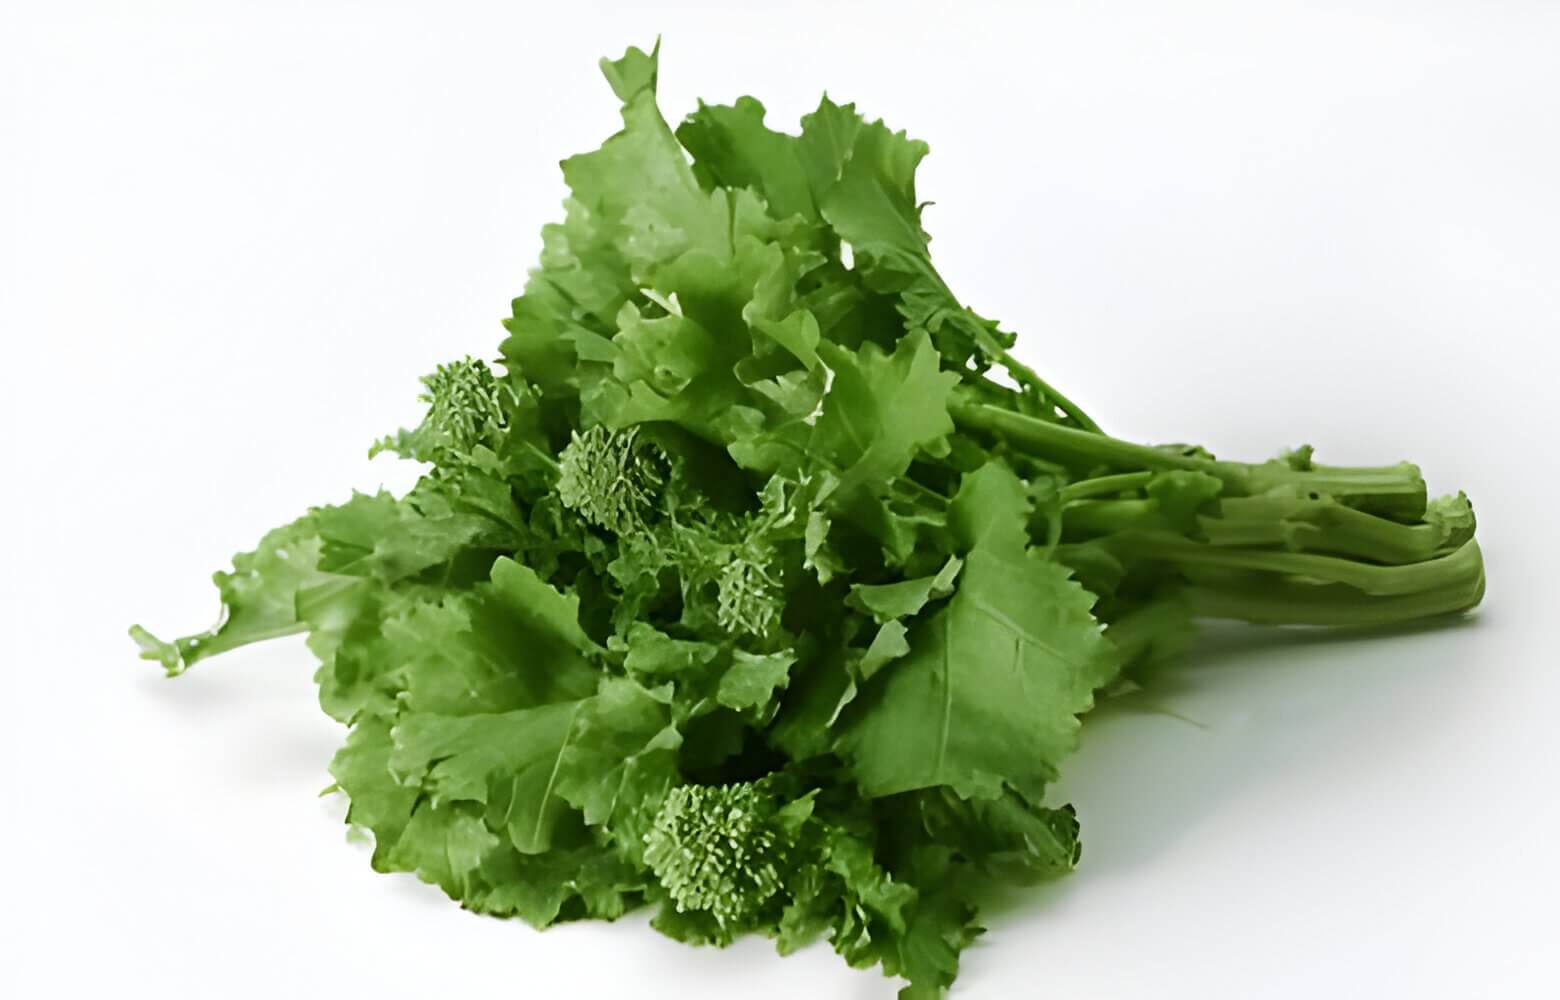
{"x": 468, "y": 406}
{"x": 718, "y": 849}
{"x": 749, "y": 599}
{"x": 618, "y": 481}
{"x": 611, "y": 478}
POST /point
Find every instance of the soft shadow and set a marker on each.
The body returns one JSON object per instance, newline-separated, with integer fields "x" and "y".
{"x": 996, "y": 900}
{"x": 276, "y": 673}
{"x": 1223, "y": 645}
{"x": 408, "y": 888}
{"x": 256, "y": 707}
{"x": 1217, "y": 642}
{"x": 1156, "y": 765}
{"x": 290, "y": 754}
{"x": 185, "y": 692}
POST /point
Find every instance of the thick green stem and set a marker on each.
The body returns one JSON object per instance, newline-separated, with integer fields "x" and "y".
{"x": 1459, "y": 567}
{"x": 1274, "y": 601}
{"x": 1024, "y": 375}
{"x": 986, "y": 339}
{"x": 1397, "y": 491}
{"x": 1150, "y": 630}
{"x": 1391, "y": 490}
{"x": 1084, "y": 519}
{"x": 1298, "y": 522}
{"x": 1069, "y": 445}
{"x": 1358, "y": 513}
{"x": 1105, "y": 485}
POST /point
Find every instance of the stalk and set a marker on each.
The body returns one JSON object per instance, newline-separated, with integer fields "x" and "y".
{"x": 1394, "y": 490}
{"x": 1105, "y": 485}
{"x": 1291, "y": 542}
{"x": 1275, "y": 601}
{"x": 1323, "y": 525}
{"x": 1390, "y": 490}
{"x": 1084, "y": 519}
{"x": 1458, "y": 568}
{"x": 1069, "y": 445}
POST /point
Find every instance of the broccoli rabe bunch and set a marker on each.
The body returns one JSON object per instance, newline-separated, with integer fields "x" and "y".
{"x": 760, "y": 583}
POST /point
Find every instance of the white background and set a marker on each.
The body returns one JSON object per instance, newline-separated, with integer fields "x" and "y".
{"x": 232, "y": 236}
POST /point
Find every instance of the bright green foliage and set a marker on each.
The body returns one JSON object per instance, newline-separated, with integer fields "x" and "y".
{"x": 759, "y": 583}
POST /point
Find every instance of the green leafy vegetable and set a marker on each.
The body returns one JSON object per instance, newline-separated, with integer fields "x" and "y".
{"x": 758, "y": 582}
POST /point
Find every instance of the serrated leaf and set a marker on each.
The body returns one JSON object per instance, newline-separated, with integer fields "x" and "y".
{"x": 993, "y": 684}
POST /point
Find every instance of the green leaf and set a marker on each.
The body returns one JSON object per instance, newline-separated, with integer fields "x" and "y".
{"x": 570, "y": 300}
{"x": 379, "y": 803}
{"x": 990, "y": 511}
{"x": 641, "y": 182}
{"x": 826, "y": 144}
{"x": 510, "y": 759}
{"x": 801, "y": 729}
{"x": 622, "y": 755}
{"x": 634, "y": 73}
{"x": 651, "y": 655}
{"x": 751, "y": 681}
{"x": 1011, "y": 837}
{"x": 992, "y": 686}
{"x": 607, "y": 756}
{"x": 513, "y": 643}
{"x": 444, "y": 844}
{"x": 888, "y": 601}
{"x": 942, "y": 926}
{"x": 872, "y": 204}
{"x": 737, "y": 150}
{"x": 845, "y": 893}
{"x": 889, "y": 644}
{"x": 536, "y": 887}
{"x": 889, "y": 604}
{"x": 357, "y": 673}
{"x": 883, "y": 410}
{"x": 259, "y": 598}
{"x": 388, "y": 539}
